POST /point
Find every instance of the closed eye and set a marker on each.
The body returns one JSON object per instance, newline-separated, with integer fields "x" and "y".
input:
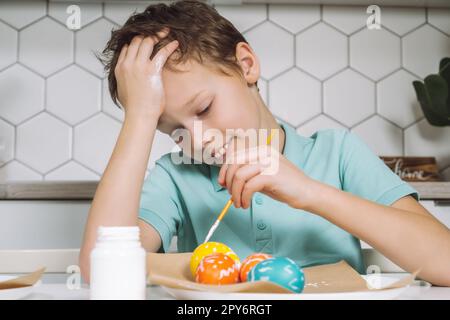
{"x": 204, "y": 111}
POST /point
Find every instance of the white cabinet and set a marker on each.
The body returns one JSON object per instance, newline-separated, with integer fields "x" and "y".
{"x": 42, "y": 224}
{"x": 440, "y": 210}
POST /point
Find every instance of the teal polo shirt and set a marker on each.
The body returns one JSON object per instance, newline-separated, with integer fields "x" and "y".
{"x": 185, "y": 200}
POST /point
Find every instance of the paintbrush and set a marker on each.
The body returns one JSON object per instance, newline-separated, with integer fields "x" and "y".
{"x": 227, "y": 206}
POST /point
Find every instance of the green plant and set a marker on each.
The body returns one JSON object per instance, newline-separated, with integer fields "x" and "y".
{"x": 434, "y": 95}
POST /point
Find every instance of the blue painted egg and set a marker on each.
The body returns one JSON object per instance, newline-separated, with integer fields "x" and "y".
{"x": 280, "y": 270}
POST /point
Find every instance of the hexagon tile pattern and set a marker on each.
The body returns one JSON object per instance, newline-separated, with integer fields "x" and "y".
{"x": 8, "y": 38}
{"x": 321, "y": 68}
{"x": 42, "y": 53}
{"x": 275, "y": 48}
{"x": 295, "y": 97}
{"x": 375, "y": 53}
{"x": 73, "y": 94}
{"x": 349, "y": 97}
{"x": 15, "y": 106}
{"x": 43, "y": 142}
{"x": 321, "y": 51}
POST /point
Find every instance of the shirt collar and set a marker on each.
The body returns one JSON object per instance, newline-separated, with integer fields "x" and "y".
{"x": 294, "y": 151}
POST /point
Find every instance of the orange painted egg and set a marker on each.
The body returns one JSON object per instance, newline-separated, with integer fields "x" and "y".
{"x": 209, "y": 248}
{"x": 218, "y": 269}
{"x": 251, "y": 261}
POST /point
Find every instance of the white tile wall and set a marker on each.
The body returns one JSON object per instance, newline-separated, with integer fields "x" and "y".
{"x": 403, "y": 20}
{"x": 8, "y": 53}
{"x": 43, "y": 142}
{"x": 422, "y": 48}
{"x": 269, "y": 41}
{"x": 375, "y": 54}
{"x": 22, "y": 13}
{"x": 294, "y": 18}
{"x": 321, "y": 68}
{"x": 345, "y": 19}
{"x": 407, "y": 109}
{"x": 244, "y": 17}
{"x": 91, "y": 11}
{"x": 321, "y": 43}
{"x": 46, "y": 54}
{"x": 349, "y": 97}
{"x": 94, "y": 140}
{"x": 73, "y": 94}
{"x": 439, "y": 19}
{"x": 92, "y": 39}
{"x": 22, "y": 94}
{"x": 307, "y": 99}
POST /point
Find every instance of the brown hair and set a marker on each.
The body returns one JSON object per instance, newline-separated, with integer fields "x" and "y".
{"x": 203, "y": 35}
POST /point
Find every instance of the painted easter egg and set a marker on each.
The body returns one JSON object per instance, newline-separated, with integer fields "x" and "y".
{"x": 251, "y": 261}
{"x": 208, "y": 248}
{"x": 218, "y": 269}
{"x": 282, "y": 271}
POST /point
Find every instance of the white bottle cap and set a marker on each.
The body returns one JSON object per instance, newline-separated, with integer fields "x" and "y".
{"x": 118, "y": 233}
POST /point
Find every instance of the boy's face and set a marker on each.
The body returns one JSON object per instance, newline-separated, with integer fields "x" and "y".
{"x": 203, "y": 98}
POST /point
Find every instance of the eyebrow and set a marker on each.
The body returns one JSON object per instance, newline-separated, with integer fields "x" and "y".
{"x": 189, "y": 102}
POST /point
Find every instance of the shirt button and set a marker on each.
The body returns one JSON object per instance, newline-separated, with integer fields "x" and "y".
{"x": 258, "y": 199}
{"x": 261, "y": 225}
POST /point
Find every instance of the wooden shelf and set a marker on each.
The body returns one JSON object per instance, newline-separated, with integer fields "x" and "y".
{"x": 85, "y": 190}
{"x": 48, "y": 190}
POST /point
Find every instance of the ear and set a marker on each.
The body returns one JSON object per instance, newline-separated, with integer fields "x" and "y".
{"x": 249, "y": 62}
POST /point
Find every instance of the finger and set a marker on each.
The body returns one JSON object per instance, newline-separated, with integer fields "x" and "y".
{"x": 252, "y": 155}
{"x": 133, "y": 49}
{"x": 230, "y": 173}
{"x": 122, "y": 55}
{"x": 162, "y": 55}
{"x": 228, "y": 155}
{"x": 253, "y": 185}
{"x": 231, "y": 157}
{"x": 222, "y": 173}
{"x": 148, "y": 43}
{"x": 146, "y": 49}
{"x": 242, "y": 175}
{"x": 248, "y": 156}
{"x": 163, "y": 33}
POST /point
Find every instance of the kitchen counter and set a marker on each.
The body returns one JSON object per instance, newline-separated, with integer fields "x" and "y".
{"x": 60, "y": 292}
{"x": 85, "y": 190}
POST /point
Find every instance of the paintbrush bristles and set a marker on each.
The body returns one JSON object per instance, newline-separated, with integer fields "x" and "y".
{"x": 211, "y": 231}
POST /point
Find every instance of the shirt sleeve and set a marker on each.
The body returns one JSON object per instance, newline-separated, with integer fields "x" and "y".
{"x": 160, "y": 205}
{"x": 364, "y": 174}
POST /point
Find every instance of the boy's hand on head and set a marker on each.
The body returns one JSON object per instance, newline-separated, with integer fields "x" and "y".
{"x": 139, "y": 83}
{"x": 263, "y": 169}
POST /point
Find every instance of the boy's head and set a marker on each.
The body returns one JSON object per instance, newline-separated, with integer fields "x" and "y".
{"x": 211, "y": 77}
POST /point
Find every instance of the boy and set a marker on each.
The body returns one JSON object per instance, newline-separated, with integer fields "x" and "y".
{"x": 172, "y": 67}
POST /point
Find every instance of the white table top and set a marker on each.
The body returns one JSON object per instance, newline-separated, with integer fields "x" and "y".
{"x": 61, "y": 292}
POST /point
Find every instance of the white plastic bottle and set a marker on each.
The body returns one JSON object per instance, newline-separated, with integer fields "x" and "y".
{"x": 118, "y": 265}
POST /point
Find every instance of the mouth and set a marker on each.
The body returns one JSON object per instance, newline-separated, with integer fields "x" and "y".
{"x": 219, "y": 153}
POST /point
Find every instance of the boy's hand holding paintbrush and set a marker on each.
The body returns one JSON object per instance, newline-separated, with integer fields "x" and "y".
{"x": 264, "y": 169}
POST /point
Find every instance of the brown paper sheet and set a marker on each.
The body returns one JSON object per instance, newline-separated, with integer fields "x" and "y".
{"x": 22, "y": 281}
{"x": 172, "y": 270}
